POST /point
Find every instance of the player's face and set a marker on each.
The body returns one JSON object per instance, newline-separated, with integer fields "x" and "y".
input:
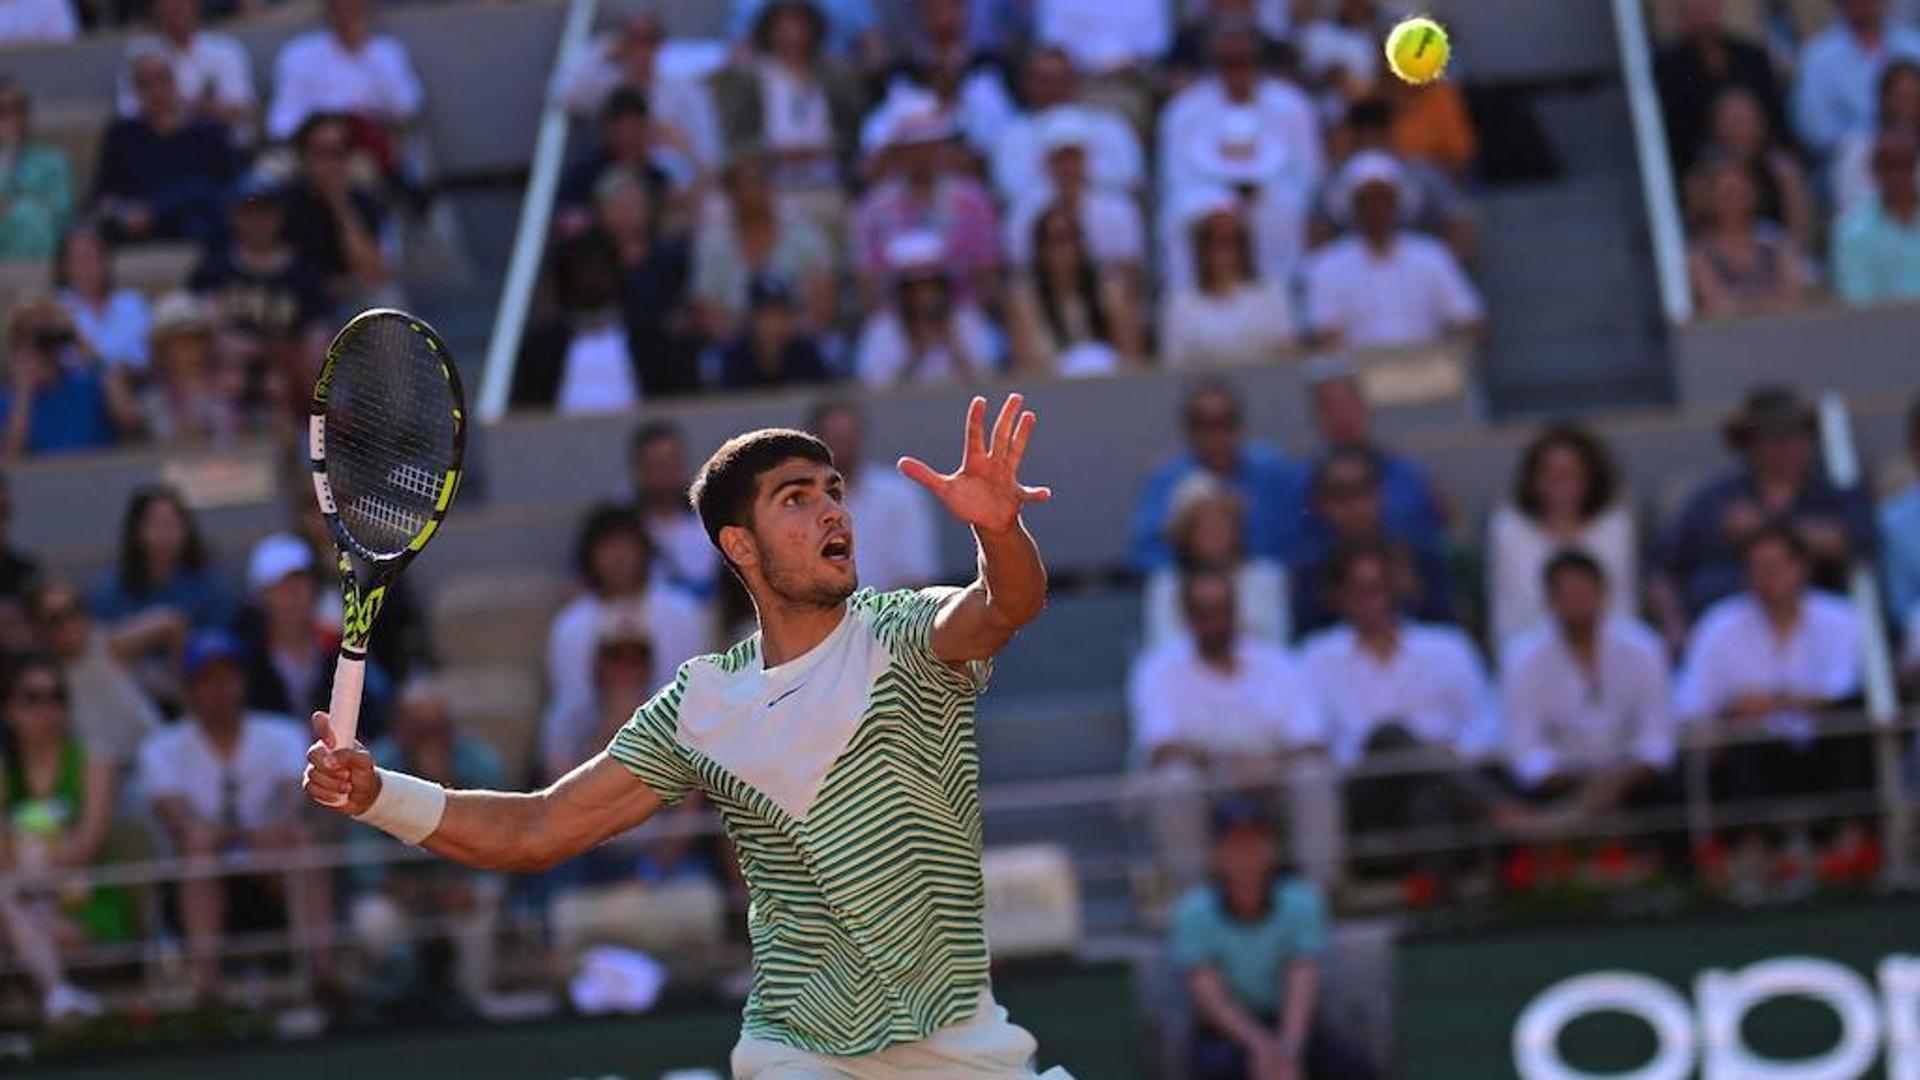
{"x": 803, "y": 535}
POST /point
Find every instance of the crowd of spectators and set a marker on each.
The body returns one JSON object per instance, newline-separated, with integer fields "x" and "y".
{"x": 281, "y": 213}
{"x": 1793, "y": 141}
{"x": 975, "y": 188}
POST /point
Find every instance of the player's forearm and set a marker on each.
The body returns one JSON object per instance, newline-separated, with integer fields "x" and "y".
{"x": 497, "y": 830}
{"x": 1013, "y": 576}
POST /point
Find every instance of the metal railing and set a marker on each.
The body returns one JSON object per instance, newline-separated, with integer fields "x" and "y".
{"x": 1656, "y": 166}
{"x": 536, "y": 213}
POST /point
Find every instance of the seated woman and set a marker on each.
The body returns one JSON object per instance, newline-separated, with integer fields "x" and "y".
{"x": 163, "y": 583}
{"x": 193, "y": 399}
{"x": 58, "y": 798}
{"x": 1207, "y": 527}
{"x": 1067, "y": 316}
{"x": 925, "y": 335}
{"x": 1784, "y": 197}
{"x": 1737, "y": 262}
{"x": 1229, "y": 315}
{"x": 35, "y": 180}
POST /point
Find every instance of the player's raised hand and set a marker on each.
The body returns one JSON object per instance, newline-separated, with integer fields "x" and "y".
{"x": 985, "y": 491}
{"x": 342, "y": 780}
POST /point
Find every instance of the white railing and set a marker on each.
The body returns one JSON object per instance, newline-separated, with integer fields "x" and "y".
{"x": 536, "y": 213}
{"x": 1877, "y": 669}
{"x": 1656, "y": 166}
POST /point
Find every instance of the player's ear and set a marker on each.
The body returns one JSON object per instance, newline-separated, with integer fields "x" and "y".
{"x": 736, "y": 543}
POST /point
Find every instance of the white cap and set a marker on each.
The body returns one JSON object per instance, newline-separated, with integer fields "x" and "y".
{"x": 915, "y": 249}
{"x": 1371, "y": 167}
{"x": 1060, "y": 128}
{"x": 276, "y": 557}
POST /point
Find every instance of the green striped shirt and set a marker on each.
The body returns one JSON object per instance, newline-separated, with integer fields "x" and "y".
{"x": 848, "y": 780}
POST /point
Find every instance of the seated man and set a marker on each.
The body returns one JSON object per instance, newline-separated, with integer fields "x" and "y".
{"x": 425, "y": 742}
{"x": 1761, "y": 663}
{"x": 1403, "y": 695}
{"x": 346, "y": 67}
{"x": 1383, "y": 286}
{"x": 1214, "y": 423}
{"x": 1347, "y": 504}
{"x": 1249, "y": 943}
{"x": 1411, "y": 505}
{"x": 162, "y": 170}
{"x": 1212, "y": 707}
{"x": 224, "y": 784}
{"x": 899, "y": 549}
{"x": 1586, "y": 697}
{"x": 331, "y": 221}
{"x": 1779, "y": 479}
{"x": 658, "y": 471}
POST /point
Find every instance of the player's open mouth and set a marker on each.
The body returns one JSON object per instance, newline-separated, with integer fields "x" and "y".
{"x": 838, "y": 549}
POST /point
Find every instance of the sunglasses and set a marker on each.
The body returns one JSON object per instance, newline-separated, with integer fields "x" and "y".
{"x": 40, "y": 695}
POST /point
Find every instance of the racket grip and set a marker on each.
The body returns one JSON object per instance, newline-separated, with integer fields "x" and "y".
{"x": 349, "y": 678}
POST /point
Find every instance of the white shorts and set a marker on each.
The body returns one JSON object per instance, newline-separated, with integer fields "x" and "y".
{"x": 986, "y": 1047}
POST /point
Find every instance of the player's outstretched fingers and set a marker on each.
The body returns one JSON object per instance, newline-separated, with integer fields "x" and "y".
{"x": 1003, "y": 424}
{"x": 1022, "y": 432}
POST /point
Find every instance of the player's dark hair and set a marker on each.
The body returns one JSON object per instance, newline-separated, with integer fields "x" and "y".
{"x": 603, "y": 522}
{"x": 135, "y": 580}
{"x": 1776, "y": 531}
{"x": 1602, "y": 478}
{"x": 1572, "y": 561}
{"x": 722, "y": 494}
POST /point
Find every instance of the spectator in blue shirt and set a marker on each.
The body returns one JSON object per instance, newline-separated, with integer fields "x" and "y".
{"x": 57, "y": 398}
{"x": 1840, "y": 68}
{"x": 1900, "y": 532}
{"x": 1249, "y": 945}
{"x": 164, "y": 171}
{"x": 1410, "y": 508}
{"x": 1876, "y": 245}
{"x": 1216, "y": 443}
{"x": 1347, "y": 496}
{"x": 162, "y": 583}
{"x": 1779, "y": 481}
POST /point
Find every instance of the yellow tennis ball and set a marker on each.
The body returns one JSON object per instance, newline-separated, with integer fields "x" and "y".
{"x": 1417, "y": 50}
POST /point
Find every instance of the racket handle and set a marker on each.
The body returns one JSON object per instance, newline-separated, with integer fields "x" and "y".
{"x": 349, "y": 677}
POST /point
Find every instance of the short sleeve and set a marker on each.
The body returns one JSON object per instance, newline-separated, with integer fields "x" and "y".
{"x": 647, "y": 746}
{"x": 903, "y": 622}
{"x": 1190, "y": 932}
{"x": 1306, "y": 915}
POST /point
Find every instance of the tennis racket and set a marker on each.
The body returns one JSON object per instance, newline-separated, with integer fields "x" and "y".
{"x": 386, "y": 439}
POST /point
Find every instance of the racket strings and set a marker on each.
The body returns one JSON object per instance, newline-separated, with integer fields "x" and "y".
{"x": 390, "y": 434}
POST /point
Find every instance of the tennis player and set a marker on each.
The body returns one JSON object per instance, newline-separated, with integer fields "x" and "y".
{"x": 837, "y": 744}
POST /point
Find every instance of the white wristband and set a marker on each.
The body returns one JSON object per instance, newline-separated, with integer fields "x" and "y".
{"x": 407, "y": 807}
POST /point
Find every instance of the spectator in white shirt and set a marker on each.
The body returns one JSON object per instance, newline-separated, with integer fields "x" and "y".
{"x": 1285, "y": 114}
{"x": 1211, "y": 708}
{"x": 1110, "y": 219}
{"x": 1342, "y": 52}
{"x": 659, "y": 474}
{"x": 211, "y": 69}
{"x": 1068, "y": 315}
{"x": 225, "y": 782}
{"x": 1386, "y": 287}
{"x": 1565, "y": 497}
{"x": 1405, "y": 696}
{"x": 942, "y": 61}
{"x": 682, "y": 110}
{"x": 925, "y": 334}
{"x": 1587, "y": 698}
{"x": 1758, "y": 666}
{"x": 1050, "y": 88}
{"x": 1106, "y": 37}
{"x": 614, "y": 560}
{"x": 1207, "y": 528}
{"x": 344, "y": 67}
{"x": 24, "y": 22}
{"x": 898, "y": 547}
{"x": 1231, "y": 314}
{"x": 1838, "y": 70}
